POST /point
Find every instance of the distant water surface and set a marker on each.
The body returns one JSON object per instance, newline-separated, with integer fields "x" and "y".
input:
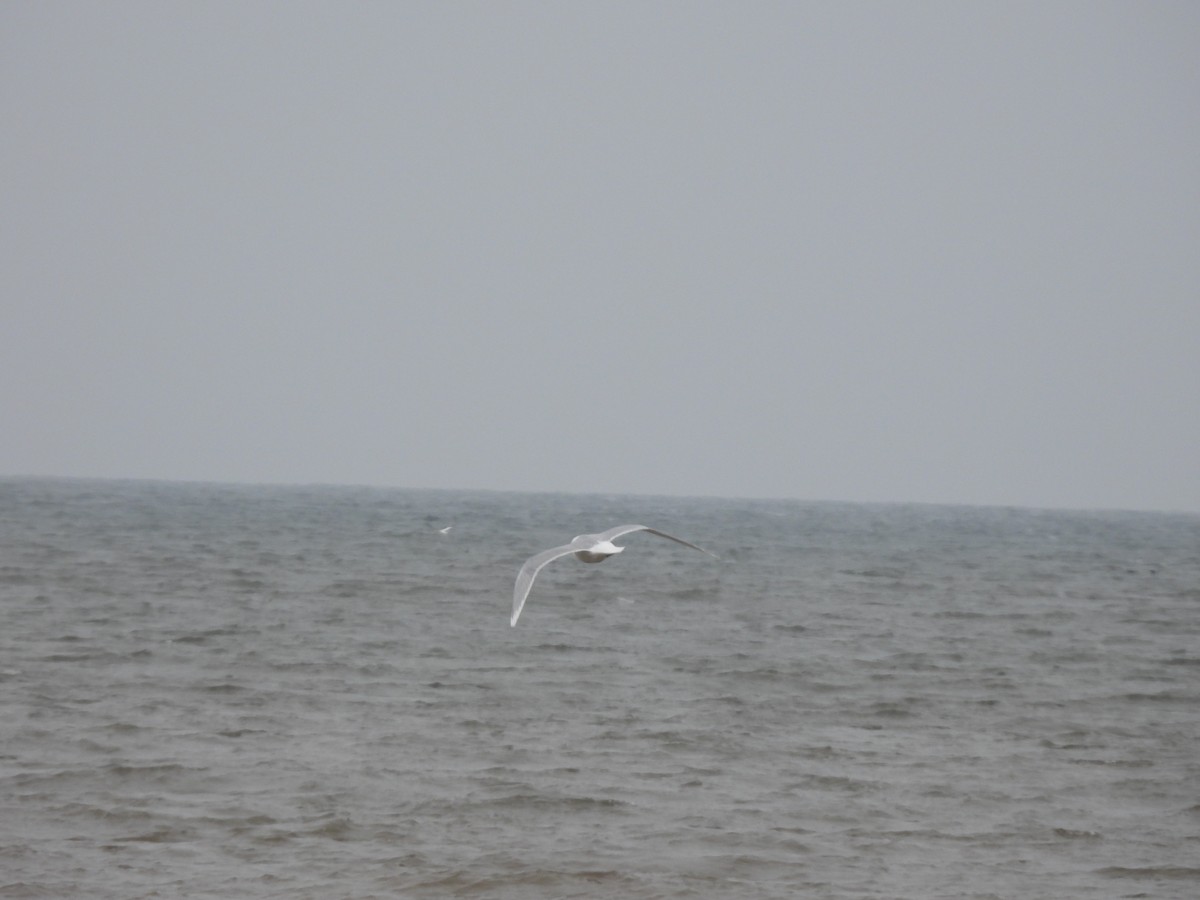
{"x": 269, "y": 692}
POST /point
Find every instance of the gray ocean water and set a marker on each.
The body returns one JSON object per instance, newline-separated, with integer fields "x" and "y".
{"x": 217, "y": 691}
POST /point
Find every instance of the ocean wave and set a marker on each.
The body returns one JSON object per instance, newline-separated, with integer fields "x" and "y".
{"x": 249, "y": 691}
{"x": 1154, "y": 873}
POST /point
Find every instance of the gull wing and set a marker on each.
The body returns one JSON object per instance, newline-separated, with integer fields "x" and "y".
{"x": 529, "y": 571}
{"x": 614, "y": 533}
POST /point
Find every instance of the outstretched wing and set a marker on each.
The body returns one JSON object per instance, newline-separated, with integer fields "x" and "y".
{"x": 529, "y": 571}
{"x": 614, "y": 533}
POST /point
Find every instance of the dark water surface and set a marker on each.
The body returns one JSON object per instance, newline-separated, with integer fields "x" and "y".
{"x": 211, "y": 691}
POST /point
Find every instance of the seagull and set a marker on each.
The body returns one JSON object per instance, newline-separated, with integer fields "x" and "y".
{"x": 588, "y": 548}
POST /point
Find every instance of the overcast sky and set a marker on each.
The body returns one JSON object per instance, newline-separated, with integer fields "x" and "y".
{"x": 942, "y": 252}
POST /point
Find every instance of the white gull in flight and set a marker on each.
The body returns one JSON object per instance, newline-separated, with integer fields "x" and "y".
{"x": 588, "y": 548}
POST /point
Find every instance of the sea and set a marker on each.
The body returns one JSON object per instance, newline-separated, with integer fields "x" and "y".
{"x": 220, "y": 691}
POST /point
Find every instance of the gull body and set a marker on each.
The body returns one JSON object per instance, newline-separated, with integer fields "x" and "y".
{"x": 588, "y": 548}
{"x": 598, "y": 552}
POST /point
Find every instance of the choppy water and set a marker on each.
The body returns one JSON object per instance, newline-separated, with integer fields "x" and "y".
{"x": 310, "y": 693}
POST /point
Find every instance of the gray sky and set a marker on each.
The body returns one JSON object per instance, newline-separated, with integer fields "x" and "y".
{"x": 944, "y": 252}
